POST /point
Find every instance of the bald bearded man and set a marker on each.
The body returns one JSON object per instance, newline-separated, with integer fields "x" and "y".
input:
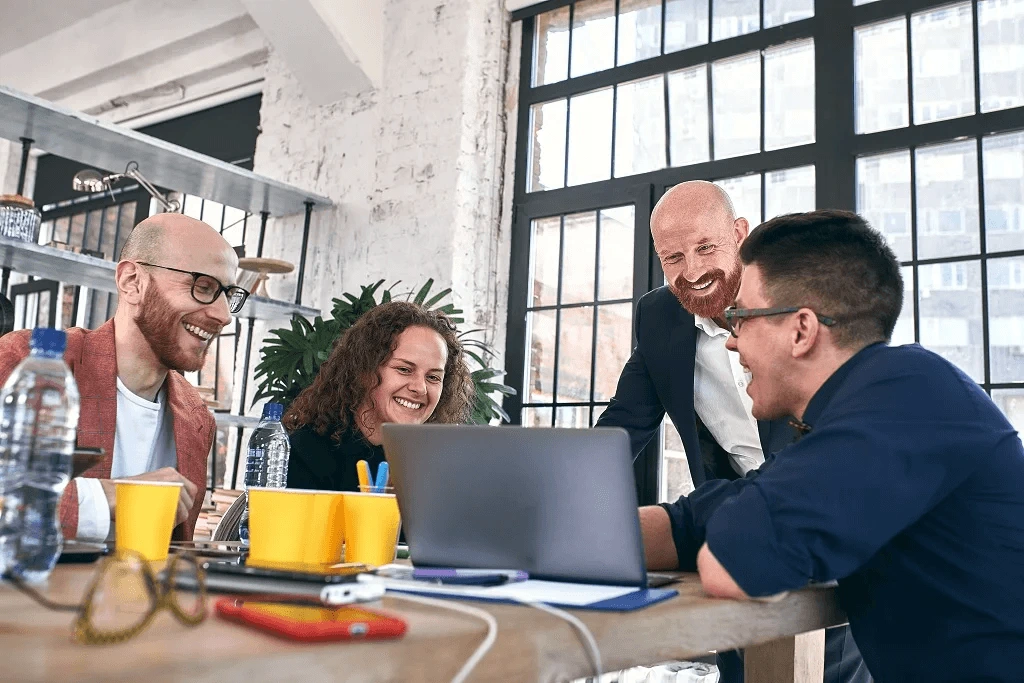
{"x": 681, "y": 367}
{"x": 175, "y": 286}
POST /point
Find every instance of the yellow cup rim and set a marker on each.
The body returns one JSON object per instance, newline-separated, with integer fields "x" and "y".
{"x": 142, "y": 482}
{"x": 369, "y": 493}
{"x": 274, "y": 489}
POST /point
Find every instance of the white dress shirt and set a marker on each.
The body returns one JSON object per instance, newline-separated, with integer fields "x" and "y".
{"x": 143, "y": 442}
{"x": 720, "y": 397}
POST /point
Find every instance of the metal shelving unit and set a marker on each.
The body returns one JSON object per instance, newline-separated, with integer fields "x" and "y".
{"x": 108, "y": 147}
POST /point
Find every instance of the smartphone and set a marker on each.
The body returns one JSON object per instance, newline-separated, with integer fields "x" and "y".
{"x": 229, "y": 577}
{"x": 311, "y": 623}
{"x": 321, "y": 575}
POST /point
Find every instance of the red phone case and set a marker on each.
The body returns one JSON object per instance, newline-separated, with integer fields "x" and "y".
{"x": 294, "y": 622}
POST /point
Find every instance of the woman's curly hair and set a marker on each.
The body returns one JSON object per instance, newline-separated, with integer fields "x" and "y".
{"x": 351, "y": 373}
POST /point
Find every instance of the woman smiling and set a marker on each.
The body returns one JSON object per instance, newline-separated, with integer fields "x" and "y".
{"x": 398, "y": 363}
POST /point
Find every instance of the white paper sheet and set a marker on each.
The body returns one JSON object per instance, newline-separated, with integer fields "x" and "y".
{"x": 533, "y": 590}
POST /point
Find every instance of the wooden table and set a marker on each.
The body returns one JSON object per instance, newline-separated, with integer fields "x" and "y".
{"x": 36, "y": 645}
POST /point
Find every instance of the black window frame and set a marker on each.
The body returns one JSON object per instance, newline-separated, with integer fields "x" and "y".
{"x": 833, "y": 154}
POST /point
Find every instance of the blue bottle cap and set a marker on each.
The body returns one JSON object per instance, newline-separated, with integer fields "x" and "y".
{"x": 48, "y": 340}
{"x": 273, "y": 411}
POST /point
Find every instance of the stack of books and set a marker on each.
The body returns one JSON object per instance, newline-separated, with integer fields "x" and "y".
{"x": 209, "y": 517}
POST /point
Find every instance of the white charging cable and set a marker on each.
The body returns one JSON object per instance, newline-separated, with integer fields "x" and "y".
{"x": 482, "y": 649}
{"x": 589, "y": 642}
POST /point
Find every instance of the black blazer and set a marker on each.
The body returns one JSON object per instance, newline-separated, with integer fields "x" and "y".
{"x": 319, "y": 462}
{"x": 658, "y": 379}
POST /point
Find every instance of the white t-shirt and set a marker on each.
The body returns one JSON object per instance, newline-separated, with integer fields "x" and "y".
{"x": 143, "y": 442}
{"x": 720, "y": 397}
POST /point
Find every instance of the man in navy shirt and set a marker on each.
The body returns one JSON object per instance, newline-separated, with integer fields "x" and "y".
{"x": 907, "y": 486}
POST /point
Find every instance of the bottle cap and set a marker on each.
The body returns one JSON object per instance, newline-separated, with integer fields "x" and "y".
{"x": 49, "y": 340}
{"x": 273, "y": 411}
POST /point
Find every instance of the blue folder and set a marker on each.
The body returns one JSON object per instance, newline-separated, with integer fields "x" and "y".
{"x": 626, "y": 600}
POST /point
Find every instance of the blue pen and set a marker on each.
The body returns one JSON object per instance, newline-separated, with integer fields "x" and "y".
{"x": 508, "y": 574}
{"x": 382, "y": 478}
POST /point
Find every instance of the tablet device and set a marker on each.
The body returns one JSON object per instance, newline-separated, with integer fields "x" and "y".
{"x": 312, "y": 623}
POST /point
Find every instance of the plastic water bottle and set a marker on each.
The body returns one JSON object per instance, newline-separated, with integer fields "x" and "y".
{"x": 40, "y": 406}
{"x": 266, "y": 463}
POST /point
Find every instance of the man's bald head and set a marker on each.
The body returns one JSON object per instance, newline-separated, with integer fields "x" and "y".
{"x": 694, "y": 197}
{"x": 165, "y": 235}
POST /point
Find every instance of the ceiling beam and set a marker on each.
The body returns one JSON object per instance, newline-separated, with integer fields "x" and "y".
{"x": 333, "y": 47}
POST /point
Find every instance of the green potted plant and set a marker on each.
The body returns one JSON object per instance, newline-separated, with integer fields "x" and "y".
{"x": 291, "y": 357}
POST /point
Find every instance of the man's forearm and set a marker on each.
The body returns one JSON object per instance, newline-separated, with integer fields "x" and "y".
{"x": 656, "y": 531}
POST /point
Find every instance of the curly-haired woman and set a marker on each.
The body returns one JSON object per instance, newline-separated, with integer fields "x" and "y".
{"x": 398, "y": 363}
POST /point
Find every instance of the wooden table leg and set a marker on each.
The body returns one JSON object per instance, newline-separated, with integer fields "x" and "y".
{"x": 797, "y": 659}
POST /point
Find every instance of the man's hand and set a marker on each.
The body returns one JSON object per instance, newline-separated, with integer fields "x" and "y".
{"x": 168, "y": 474}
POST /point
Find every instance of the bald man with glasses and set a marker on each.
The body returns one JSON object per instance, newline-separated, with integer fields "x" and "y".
{"x": 176, "y": 292}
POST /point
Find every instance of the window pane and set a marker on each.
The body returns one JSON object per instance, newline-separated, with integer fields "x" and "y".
{"x": 745, "y": 192}
{"x": 943, "y": 51}
{"x": 675, "y": 472}
{"x": 615, "y": 280}
{"x": 540, "y": 356}
{"x": 1011, "y": 402}
{"x": 639, "y": 30}
{"x": 903, "y": 333}
{"x": 597, "y": 412}
{"x": 1006, "y": 319}
{"x": 686, "y": 24}
{"x": 1001, "y": 53}
{"x": 536, "y": 417}
{"x": 788, "y": 191}
{"x": 590, "y": 137}
{"x": 947, "y": 200}
{"x": 640, "y": 126}
{"x": 593, "y": 36}
{"x": 578, "y": 258}
{"x": 688, "y": 115}
{"x": 614, "y": 339}
{"x": 551, "y": 47}
{"x": 1003, "y": 157}
{"x": 789, "y": 95}
{"x": 547, "y": 148}
{"x": 784, "y": 11}
{"x": 213, "y": 212}
{"x": 575, "y": 342}
{"x": 737, "y": 103}
{"x": 544, "y": 243}
{"x": 950, "y": 304}
{"x": 734, "y": 18}
{"x": 883, "y": 199}
{"x": 880, "y": 58}
{"x": 573, "y": 417}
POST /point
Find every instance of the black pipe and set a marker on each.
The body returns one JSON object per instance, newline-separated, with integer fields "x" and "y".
{"x": 263, "y": 233}
{"x": 302, "y": 254}
{"x": 26, "y": 145}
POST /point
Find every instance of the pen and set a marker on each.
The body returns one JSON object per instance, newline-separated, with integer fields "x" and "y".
{"x": 382, "y": 478}
{"x": 507, "y": 574}
{"x": 363, "y": 471}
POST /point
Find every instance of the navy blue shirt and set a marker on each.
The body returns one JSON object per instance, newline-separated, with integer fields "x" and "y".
{"x": 908, "y": 490}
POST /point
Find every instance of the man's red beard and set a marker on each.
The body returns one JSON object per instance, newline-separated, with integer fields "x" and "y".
{"x": 161, "y": 325}
{"x": 713, "y": 304}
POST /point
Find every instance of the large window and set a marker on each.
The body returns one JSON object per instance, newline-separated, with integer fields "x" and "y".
{"x": 909, "y": 111}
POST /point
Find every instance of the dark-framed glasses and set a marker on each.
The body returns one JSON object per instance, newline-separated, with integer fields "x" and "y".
{"x": 206, "y": 288}
{"x": 734, "y": 317}
{"x": 124, "y": 595}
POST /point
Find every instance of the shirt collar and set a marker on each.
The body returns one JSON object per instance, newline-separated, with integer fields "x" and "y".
{"x": 823, "y": 396}
{"x": 708, "y": 326}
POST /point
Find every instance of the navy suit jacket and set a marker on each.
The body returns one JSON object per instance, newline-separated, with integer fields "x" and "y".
{"x": 658, "y": 379}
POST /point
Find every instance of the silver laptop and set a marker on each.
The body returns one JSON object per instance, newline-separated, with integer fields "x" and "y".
{"x": 558, "y": 503}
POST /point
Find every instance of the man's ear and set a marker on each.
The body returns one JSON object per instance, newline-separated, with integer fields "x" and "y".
{"x": 740, "y": 228}
{"x": 805, "y": 334}
{"x": 128, "y": 278}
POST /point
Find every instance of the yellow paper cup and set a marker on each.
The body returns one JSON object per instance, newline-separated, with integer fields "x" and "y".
{"x": 372, "y": 523}
{"x": 295, "y": 527}
{"x": 144, "y": 516}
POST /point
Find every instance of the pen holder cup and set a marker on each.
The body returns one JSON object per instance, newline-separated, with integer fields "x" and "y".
{"x": 275, "y": 515}
{"x": 372, "y": 525}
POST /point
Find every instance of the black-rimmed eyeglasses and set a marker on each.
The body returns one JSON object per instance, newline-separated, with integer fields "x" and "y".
{"x": 206, "y": 288}
{"x": 734, "y": 317}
